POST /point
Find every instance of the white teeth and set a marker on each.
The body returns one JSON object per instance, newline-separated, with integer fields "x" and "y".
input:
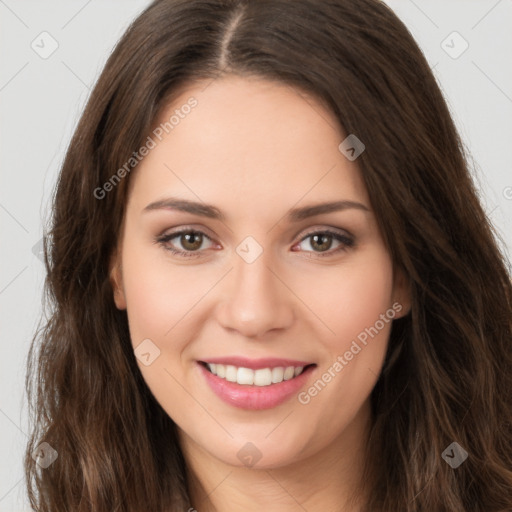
{"x": 231, "y": 373}
{"x": 245, "y": 376}
{"x": 261, "y": 377}
{"x": 289, "y": 372}
{"x": 221, "y": 370}
{"x": 277, "y": 374}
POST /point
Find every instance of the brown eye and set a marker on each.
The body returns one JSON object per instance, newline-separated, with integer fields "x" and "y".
{"x": 187, "y": 242}
{"x": 321, "y": 243}
{"x": 191, "y": 241}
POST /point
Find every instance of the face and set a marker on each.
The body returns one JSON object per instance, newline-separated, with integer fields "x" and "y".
{"x": 225, "y": 259}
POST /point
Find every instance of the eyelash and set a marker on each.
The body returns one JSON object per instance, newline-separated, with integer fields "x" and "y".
{"x": 346, "y": 242}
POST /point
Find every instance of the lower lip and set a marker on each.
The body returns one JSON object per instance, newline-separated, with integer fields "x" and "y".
{"x": 255, "y": 397}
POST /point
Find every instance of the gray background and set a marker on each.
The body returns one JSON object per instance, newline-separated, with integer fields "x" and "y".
{"x": 41, "y": 100}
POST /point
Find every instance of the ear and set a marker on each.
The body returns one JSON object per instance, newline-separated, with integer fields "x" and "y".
{"x": 401, "y": 293}
{"x": 116, "y": 280}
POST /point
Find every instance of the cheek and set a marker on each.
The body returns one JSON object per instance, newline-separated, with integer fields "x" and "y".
{"x": 356, "y": 305}
{"x": 351, "y": 297}
{"x": 351, "y": 302}
{"x": 157, "y": 295}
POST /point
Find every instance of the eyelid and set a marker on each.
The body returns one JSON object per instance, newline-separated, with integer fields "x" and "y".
{"x": 324, "y": 229}
{"x": 172, "y": 232}
{"x": 167, "y": 237}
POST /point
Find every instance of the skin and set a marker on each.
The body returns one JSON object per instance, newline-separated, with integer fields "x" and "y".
{"x": 255, "y": 149}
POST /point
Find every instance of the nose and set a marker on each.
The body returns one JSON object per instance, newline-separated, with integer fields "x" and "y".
{"x": 255, "y": 300}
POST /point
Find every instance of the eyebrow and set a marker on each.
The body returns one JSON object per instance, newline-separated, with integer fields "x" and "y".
{"x": 210, "y": 211}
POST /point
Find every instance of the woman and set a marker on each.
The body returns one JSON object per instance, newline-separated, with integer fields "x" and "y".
{"x": 273, "y": 284}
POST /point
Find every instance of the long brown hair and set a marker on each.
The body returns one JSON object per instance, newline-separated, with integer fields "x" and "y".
{"x": 448, "y": 371}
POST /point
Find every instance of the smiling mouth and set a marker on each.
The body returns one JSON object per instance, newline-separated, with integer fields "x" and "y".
{"x": 260, "y": 377}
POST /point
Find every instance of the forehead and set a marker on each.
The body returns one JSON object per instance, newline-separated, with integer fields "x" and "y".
{"x": 247, "y": 142}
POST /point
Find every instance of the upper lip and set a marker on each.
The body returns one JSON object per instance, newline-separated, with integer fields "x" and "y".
{"x": 255, "y": 364}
